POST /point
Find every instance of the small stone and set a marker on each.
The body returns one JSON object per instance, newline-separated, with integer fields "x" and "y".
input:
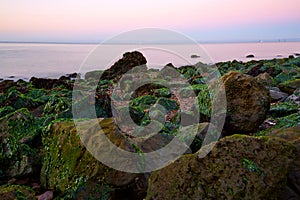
{"x": 250, "y": 56}
{"x": 195, "y": 56}
{"x": 278, "y": 96}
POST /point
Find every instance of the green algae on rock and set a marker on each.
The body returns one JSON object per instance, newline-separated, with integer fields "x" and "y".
{"x": 71, "y": 170}
{"x": 224, "y": 172}
{"x": 9, "y": 192}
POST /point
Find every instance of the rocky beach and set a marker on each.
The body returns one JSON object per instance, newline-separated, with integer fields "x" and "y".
{"x": 256, "y": 157}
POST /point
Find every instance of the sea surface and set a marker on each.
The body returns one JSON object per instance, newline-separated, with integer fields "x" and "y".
{"x": 25, "y": 60}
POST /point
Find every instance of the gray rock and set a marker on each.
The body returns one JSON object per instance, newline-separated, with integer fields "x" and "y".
{"x": 294, "y": 97}
{"x": 278, "y": 96}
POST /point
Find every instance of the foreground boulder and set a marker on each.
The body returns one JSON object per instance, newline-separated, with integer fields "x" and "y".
{"x": 293, "y": 182}
{"x": 238, "y": 167}
{"x": 72, "y": 172}
{"x": 248, "y": 102}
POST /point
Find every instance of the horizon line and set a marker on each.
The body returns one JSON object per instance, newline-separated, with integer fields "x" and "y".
{"x": 162, "y": 42}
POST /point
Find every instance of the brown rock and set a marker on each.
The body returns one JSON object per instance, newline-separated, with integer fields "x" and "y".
{"x": 293, "y": 182}
{"x": 248, "y": 102}
{"x": 126, "y": 63}
{"x": 238, "y": 167}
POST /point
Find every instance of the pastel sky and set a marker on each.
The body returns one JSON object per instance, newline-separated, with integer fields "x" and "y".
{"x": 95, "y": 20}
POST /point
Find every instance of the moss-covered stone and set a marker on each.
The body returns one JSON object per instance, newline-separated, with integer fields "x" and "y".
{"x": 290, "y": 86}
{"x": 162, "y": 92}
{"x": 10, "y": 192}
{"x": 266, "y": 80}
{"x": 283, "y": 109}
{"x": 144, "y": 101}
{"x": 70, "y": 170}
{"x": 291, "y": 134}
{"x": 248, "y": 102}
{"x": 238, "y": 167}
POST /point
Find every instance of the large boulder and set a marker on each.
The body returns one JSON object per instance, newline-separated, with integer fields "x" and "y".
{"x": 248, "y": 102}
{"x": 293, "y": 182}
{"x": 72, "y": 172}
{"x": 238, "y": 167}
{"x": 126, "y": 63}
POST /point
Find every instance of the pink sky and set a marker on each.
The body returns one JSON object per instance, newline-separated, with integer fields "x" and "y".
{"x": 97, "y": 19}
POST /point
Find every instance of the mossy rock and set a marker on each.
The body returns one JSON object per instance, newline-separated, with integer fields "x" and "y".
{"x": 266, "y": 80}
{"x": 162, "y": 92}
{"x": 290, "y": 86}
{"x": 144, "y": 101}
{"x": 18, "y": 100}
{"x": 204, "y": 101}
{"x": 290, "y": 72}
{"x": 10, "y": 192}
{"x": 22, "y": 125}
{"x": 248, "y": 102}
{"x": 69, "y": 168}
{"x": 237, "y": 167}
{"x": 283, "y": 109}
{"x": 18, "y": 157}
{"x": 168, "y": 104}
{"x": 291, "y": 134}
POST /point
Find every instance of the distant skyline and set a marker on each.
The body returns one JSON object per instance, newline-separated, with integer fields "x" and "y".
{"x": 75, "y": 21}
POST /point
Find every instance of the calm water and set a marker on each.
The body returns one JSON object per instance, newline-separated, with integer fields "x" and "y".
{"x": 53, "y": 60}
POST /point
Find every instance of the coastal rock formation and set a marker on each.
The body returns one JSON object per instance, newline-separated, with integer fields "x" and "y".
{"x": 126, "y": 63}
{"x": 49, "y": 83}
{"x": 238, "y": 167}
{"x": 70, "y": 170}
{"x": 259, "y": 67}
{"x": 248, "y": 102}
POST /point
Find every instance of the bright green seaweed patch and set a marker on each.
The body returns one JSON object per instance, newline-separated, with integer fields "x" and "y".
{"x": 251, "y": 166}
